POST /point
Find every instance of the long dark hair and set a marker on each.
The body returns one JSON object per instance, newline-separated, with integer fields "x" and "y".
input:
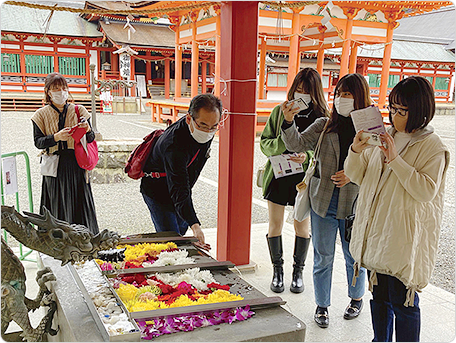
{"x": 357, "y": 85}
{"x": 417, "y": 94}
{"x": 53, "y": 80}
{"x": 311, "y": 81}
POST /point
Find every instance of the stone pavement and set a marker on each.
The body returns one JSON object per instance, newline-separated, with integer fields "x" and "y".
{"x": 437, "y": 305}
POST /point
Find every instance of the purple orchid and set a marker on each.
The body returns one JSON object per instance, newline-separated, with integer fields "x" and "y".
{"x": 243, "y": 313}
{"x": 171, "y": 324}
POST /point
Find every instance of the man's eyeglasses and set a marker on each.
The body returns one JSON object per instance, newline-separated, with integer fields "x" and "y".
{"x": 401, "y": 111}
{"x": 205, "y": 128}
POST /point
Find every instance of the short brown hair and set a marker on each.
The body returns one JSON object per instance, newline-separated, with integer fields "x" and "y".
{"x": 357, "y": 85}
{"x": 53, "y": 80}
{"x": 311, "y": 81}
{"x": 417, "y": 94}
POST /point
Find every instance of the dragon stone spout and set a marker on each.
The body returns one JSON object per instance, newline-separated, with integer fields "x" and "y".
{"x": 59, "y": 239}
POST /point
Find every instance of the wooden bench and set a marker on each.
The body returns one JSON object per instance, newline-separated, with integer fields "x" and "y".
{"x": 158, "y": 106}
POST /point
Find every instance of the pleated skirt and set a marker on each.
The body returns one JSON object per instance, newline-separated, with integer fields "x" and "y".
{"x": 68, "y": 196}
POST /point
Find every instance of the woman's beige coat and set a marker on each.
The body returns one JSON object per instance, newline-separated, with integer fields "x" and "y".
{"x": 399, "y": 210}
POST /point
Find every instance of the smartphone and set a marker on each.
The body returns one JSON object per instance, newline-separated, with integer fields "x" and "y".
{"x": 374, "y": 138}
{"x": 299, "y": 104}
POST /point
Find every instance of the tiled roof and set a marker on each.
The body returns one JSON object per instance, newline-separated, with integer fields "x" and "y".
{"x": 432, "y": 27}
{"x": 145, "y": 35}
{"x": 31, "y": 20}
{"x": 407, "y": 51}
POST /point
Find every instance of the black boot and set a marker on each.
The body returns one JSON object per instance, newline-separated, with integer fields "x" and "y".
{"x": 275, "y": 250}
{"x": 299, "y": 256}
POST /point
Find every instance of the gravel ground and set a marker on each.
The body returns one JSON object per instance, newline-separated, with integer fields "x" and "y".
{"x": 120, "y": 206}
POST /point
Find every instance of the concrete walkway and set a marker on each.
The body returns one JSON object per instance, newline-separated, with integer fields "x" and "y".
{"x": 437, "y": 305}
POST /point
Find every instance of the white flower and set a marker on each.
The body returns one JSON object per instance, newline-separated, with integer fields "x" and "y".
{"x": 195, "y": 277}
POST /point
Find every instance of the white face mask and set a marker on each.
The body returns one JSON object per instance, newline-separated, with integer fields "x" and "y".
{"x": 303, "y": 96}
{"x": 200, "y": 136}
{"x": 59, "y": 97}
{"x": 344, "y": 106}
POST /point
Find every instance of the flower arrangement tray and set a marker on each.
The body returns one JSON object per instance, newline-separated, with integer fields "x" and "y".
{"x": 252, "y": 297}
{"x": 211, "y": 265}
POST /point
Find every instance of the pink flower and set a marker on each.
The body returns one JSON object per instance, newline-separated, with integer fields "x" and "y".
{"x": 106, "y": 266}
{"x": 243, "y": 313}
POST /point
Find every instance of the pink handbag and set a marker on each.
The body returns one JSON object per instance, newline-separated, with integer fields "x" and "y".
{"x": 86, "y": 153}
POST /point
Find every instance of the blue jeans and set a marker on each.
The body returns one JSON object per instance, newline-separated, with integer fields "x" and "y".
{"x": 324, "y": 232}
{"x": 388, "y": 301}
{"x": 165, "y": 217}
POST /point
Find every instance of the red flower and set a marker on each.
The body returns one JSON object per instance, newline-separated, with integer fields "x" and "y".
{"x": 218, "y": 286}
{"x": 129, "y": 265}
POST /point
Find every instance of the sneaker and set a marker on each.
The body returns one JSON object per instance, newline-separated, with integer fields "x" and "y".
{"x": 321, "y": 317}
{"x": 353, "y": 309}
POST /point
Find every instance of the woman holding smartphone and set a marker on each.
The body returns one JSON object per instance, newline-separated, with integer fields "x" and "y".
{"x": 68, "y": 196}
{"x": 330, "y": 190}
{"x": 280, "y": 192}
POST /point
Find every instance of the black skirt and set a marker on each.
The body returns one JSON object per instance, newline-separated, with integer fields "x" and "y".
{"x": 282, "y": 191}
{"x": 67, "y": 196}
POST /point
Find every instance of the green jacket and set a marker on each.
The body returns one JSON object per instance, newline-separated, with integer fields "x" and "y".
{"x": 272, "y": 145}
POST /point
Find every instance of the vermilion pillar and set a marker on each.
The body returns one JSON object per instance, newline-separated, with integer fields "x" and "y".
{"x": 386, "y": 62}
{"x": 195, "y": 55}
{"x": 177, "y": 57}
{"x": 294, "y": 54}
{"x": 167, "y": 78}
{"x": 132, "y": 75}
{"x": 203, "y": 76}
{"x": 217, "y": 51}
{"x": 350, "y": 13}
{"x": 239, "y": 32}
{"x": 321, "y": 50}
{"x": 148, "y": 67}
{"x": 261, "y": 73}
{"x": 353, "y": 59}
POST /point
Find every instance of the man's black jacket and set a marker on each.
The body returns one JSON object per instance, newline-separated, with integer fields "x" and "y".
{"x": 172, "y": 153}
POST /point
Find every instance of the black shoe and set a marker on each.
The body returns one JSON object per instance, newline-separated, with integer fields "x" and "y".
{"x": 297, "y": 285}
{"x": 353, "y": 309}
{"x": 277, "y": 280}
{"x": 299, "y": 257}
{"x": 321, "y": 317}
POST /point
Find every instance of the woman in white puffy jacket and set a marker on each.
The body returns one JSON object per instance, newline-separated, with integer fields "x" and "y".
{"x": 399, "y": 210}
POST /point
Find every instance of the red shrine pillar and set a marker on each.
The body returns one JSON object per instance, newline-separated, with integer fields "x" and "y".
{"x": 167, "y": 77}
{"x": 203, "y": 76}
{"x": 353, "y": 59}
{"x": 262, "y": 71}
{"x": 321, "y": 50}
{"x": 239, "y": 47}
{"x": 344, "y": 60}
{"x": 195, "y": 56}
{"x": 386, "y": 62}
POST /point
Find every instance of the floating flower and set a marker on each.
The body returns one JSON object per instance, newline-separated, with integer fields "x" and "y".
{"x": 170, "y": 324}
{"x": 244, "y": 313}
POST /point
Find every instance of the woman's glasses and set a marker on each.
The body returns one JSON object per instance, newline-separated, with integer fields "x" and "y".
{"x": 395, "y": 110}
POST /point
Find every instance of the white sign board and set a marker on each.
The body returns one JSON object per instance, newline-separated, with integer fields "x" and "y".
{"x": 10, "y": 174}
{"x": 124, "y": 65}
{"x": 141, "y": 85}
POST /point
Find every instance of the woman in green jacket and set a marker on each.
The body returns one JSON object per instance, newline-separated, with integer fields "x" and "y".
{"x": 282, "y": 191}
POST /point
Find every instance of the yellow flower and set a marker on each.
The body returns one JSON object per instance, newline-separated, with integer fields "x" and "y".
{"x": 134, "y": 252}
{"x": 98, "y": 261}
{"x": 127, "y": 292}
